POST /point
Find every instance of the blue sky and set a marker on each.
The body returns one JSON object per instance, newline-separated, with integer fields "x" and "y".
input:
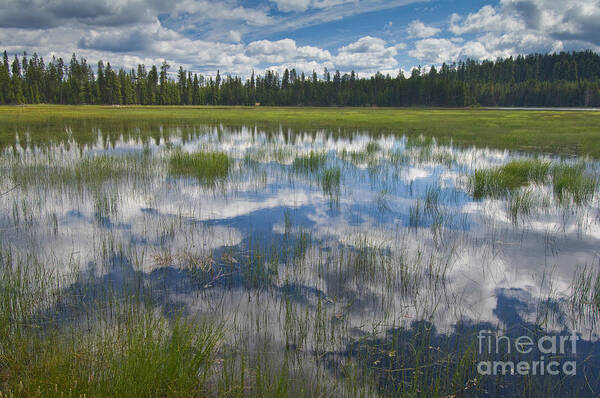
{"x": 240, "y": 36}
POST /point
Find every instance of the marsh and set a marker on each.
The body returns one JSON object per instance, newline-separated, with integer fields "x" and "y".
{"x": 236, "y": 259}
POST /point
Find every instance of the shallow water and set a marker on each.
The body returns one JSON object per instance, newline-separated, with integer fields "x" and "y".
{"x": 397, "y": 243}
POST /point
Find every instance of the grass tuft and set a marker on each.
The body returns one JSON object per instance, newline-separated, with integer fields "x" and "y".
{"x": 572, "y": 182}
{"x": 310, "y": 163}
{"x": 569, "y": 181}
{"x": 208, "y": 167}
{"x": 330, "y": 181}
{"x": 498, "y": 182}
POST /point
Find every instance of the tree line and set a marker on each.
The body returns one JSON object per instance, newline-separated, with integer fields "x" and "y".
{"x": 564, "y": 79}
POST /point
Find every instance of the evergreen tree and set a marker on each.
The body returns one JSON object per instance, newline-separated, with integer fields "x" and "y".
{"x": 164, "y": 95}
{"x": 4, "y": 82}
{"x": 16, "y": 92}
{"x": 564, "y": 79}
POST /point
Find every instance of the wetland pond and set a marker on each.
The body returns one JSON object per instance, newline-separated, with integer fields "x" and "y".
{"x": 363, "y": 263}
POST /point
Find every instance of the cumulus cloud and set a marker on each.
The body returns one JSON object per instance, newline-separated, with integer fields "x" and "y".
{"x": 368, "y": 53}
{"x": 418, "y": 29}
{"x": 205, "y": 35}
{"x": 435, "y": 50}
{"x": 200, "y": 35}
{"x": 563, "y": 20}
{"x": 486, "y": 19}
{"x": 282, "y": 50}
{"x": 516, "y": 27}
{"x": 40, "y": 14}
{"x": 556, "y": 20}
{"x": 152, "y": 43}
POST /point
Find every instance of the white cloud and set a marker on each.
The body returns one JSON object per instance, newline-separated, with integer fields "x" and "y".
{"x": 200, "y": 35}
{"x": 321, "y": 12}
{"x": 365, "y": 44}
{"x": 151, "y": 43}
{"x": 235, "y": 36}
{"x": 284, "y": 50}
{"x": 487, "y": 19}
{"x": 204, "y": 36}
{"x": 534, "y": 25}
{"x": 369, "y": 53}
{"x": 516, "y": 27}
{"x": 435, "y": 50}
{"x": 292, "y": 5}
{"x": 196, "y": 11}
{"x": 303, "y": 5}
{"x": 418, "y": 29}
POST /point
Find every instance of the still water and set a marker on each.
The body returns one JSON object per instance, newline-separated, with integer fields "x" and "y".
{"x": 339, "y": 245}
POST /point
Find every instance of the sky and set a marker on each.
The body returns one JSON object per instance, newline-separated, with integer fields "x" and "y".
{"x": 237, "y": 37}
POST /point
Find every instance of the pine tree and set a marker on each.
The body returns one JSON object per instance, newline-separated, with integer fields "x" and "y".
{"x": 16, "y": 81}
{"x": 4, "y": 84}
{"x": 164, "y": 68}
{"x": 196, "y": 96}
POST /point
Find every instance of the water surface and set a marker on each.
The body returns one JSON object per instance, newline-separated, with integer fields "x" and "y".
{"x": 378, "y": 241}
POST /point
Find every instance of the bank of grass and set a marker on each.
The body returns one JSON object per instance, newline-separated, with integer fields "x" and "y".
{"x": 559, "y": 132}
{"x": 569, "y": 181}
{"x": 208, "y": 167}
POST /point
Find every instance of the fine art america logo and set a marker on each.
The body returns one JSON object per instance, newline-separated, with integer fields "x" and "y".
{"x": 549, "y": 348}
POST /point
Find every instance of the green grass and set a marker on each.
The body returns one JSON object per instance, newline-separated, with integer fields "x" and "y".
{"x": 568, "y": 181}
{"x": 499, "y": 181}
{"x": 585, "y": 292}
{"x": 572, "y": 182}
{"x": 143, "y": 357}
{"x": 519, "y": 204}
{"x": 330, "y": 181}
{"x": 122, "y": 346}
{"x": 208, "y": 167}
{"x": 86, "y": 171}
{"x": 372, "y": 147}
{"x": 127, "y": 343}
{"x": 126, "y": 349}
{"x": 560, "y": 132}
{"x": 310, "y": 163}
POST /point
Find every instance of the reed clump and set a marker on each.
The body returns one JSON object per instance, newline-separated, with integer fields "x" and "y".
{"x": 311, "y": 163}
{"x": 208, "y": 167}
{"x": 568, "y": 181}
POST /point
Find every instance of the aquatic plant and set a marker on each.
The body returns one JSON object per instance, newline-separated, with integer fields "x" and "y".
{"x": 330, "y": 180}
{"x": 208, "y": 167}
{"x": 568, "y": 180}
{"x": 310, "y": 163}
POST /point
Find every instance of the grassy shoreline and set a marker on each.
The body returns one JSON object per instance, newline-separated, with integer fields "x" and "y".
{"x": 572, "y": 132}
